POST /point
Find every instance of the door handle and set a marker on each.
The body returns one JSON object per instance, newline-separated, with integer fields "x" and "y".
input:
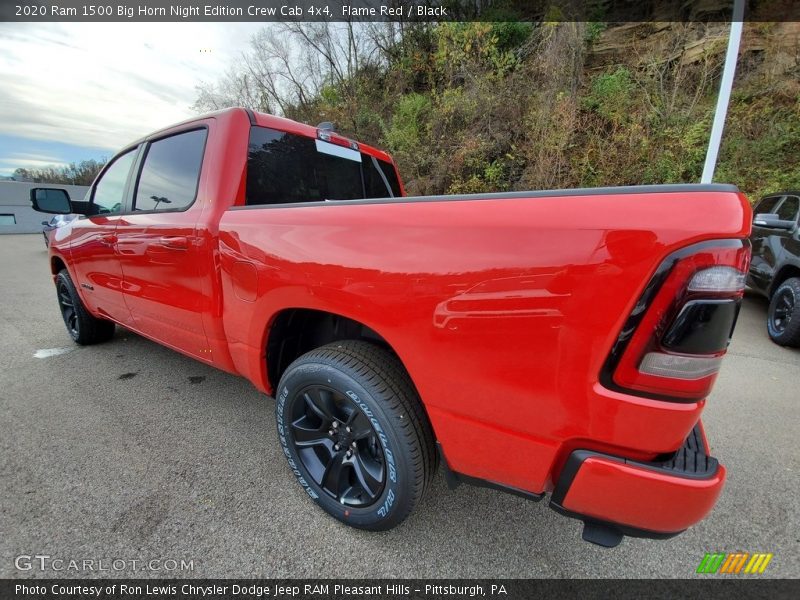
{"x": 176, "y": 242}
{"x": 109, "y": 239}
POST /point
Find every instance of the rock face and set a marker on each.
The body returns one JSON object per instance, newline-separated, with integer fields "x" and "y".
{"x": 636, "y": 44}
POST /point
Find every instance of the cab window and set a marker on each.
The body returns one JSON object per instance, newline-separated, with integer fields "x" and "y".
{"x": 171, "y": 172}
{"x": 767, "y": 205}
{"x": 285, "y": 168}
{"x": 789, "y": 208}
{"x": 109, "y": 192}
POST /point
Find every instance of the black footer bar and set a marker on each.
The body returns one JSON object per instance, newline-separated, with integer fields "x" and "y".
{"x": 706, "y": 588}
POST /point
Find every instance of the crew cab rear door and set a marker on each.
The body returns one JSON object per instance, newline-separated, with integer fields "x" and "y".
{"x": 159, "y": 251}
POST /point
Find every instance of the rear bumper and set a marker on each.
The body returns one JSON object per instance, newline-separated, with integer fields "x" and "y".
{"x": 615, "y": 496}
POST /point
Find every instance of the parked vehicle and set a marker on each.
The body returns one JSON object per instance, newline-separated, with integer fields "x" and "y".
{"x": 53, "y": 223}
{"x": 775, "y": 268}
{"x": 555, "y": 341}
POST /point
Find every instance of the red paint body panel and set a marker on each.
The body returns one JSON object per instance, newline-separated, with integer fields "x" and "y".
{"x": 503, "y": 310}
{"x": 93, "y": 261}
{"x": 641, "y": 498}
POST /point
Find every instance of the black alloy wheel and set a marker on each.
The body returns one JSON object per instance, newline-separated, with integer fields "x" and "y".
{"x": 338, "y": 446}
{"x": 67, "y": 306}
{"x": 781, "y": 315}
{"x": 82, "y": 326}
{"x": 355, "y": 433}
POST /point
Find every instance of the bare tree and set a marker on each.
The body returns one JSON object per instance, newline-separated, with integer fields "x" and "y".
{"x": 288, "y": 65}
{"x": 236, "y": 88}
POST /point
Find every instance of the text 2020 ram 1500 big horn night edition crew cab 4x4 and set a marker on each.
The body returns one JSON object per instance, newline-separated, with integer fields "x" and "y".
{"x": 556, "y": 341}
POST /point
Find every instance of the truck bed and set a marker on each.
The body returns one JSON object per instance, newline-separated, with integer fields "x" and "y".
{"x": 524, "y": 291}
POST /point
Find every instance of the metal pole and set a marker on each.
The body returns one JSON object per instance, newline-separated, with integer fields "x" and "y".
{"x": 724, "y": 91}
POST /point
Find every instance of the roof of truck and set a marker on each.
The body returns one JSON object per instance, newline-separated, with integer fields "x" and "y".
{"x": 282, "y": 124}
{"x": 263, "y": 120}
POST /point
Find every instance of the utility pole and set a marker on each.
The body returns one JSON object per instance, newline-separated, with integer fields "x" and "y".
{"x": 724, "y": 98}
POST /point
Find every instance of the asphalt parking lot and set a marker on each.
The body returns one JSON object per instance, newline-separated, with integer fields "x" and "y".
{"x": 130, "y": 451}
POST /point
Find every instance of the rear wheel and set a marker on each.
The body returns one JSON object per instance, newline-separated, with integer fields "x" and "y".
{"x": 81, "y": 325}
{"x": 783, "y": 320}
{"x": 354, "y": 432}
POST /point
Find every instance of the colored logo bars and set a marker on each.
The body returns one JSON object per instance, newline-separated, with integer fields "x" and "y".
{"x": 734, "y": 563}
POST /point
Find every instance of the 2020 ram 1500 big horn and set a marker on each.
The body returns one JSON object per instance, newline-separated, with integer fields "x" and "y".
{"x": 556, "y": 341}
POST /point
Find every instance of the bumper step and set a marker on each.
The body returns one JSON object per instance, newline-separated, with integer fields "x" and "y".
{"x": 615, "y": 496}
{"x": 690, "y": 460}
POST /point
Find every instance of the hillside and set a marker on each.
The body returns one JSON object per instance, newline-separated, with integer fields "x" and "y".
{"x": 472, "y": 107}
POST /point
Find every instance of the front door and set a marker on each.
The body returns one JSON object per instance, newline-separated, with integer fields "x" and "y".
{"x": 93, "y": 242}
{"x": 159, "y": 251}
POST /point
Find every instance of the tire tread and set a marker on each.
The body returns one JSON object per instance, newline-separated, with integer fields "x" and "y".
{"x": 381, "y": 371}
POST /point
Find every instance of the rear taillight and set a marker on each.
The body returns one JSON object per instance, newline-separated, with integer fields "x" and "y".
{"x": 672, "y": 344}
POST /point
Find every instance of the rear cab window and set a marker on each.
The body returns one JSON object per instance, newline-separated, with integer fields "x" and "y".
{"x": 285, "y": 168}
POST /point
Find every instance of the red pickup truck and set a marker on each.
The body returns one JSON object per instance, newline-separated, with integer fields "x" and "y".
{"x": 552, "y": 341}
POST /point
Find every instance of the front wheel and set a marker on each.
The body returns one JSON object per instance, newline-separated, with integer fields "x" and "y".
{"x": 783, "y": 320}
{"x": 354, "y": 432}
{"x": 83, "y": 328}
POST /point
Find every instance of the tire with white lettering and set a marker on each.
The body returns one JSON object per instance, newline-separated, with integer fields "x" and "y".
{"x": 355, "y": 434}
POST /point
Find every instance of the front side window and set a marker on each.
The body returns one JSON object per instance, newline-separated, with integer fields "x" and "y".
{"x": 109, "y": 193}
{"x": 284, "y": 168}
{"x": 789, "y": 208}
{"x": 767, "y": 205}
{"x": 171, "y": 172}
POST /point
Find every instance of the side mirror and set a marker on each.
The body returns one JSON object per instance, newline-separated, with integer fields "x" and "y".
{"x": 51, "y": 200}
{"x": 772, "y": 221}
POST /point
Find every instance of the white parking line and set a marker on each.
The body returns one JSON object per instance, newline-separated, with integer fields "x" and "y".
{"x": 48, "y": 352}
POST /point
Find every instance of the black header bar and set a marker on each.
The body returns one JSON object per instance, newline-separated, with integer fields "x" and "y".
{"x": 65, "y": 11}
